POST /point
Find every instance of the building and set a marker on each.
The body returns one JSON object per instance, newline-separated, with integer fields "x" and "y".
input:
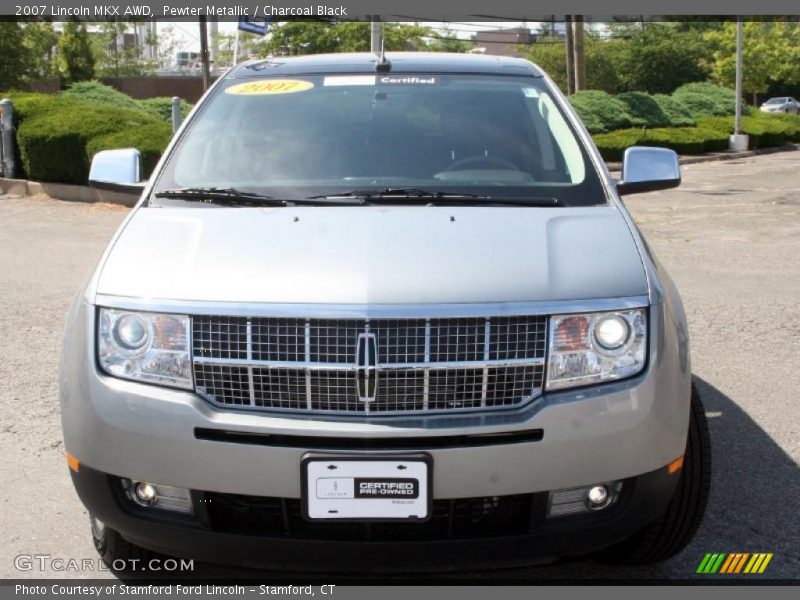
{"x": 502, "y": 41}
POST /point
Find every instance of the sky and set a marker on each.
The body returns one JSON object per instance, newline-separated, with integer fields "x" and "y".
{"x": 188, "y": 33}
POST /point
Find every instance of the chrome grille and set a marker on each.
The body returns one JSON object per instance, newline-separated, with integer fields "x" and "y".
{"x": 409, "y": 365}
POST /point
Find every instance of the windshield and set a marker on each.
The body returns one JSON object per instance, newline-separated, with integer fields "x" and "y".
{"x": 776, "y": 101}
{"x": 311, "y": 136}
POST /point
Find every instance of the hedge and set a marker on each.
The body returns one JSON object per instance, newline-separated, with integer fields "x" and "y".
{"x": 161, "y": 107}
{"x": 613, "y": 145}
{"x": 645, "y": 108}
{"x": 675, "y": 110}
{"x": 765, "y": 131}
{"x": 710, "y": 135}
{"x": 94, "y": 91}
{"x": 150, "y": 140}
{"x": 684, "y": 140}
{"x": 707, "y": 99}
{"x": 57, "y": 135}
{"x": 601, "y": 112}
{"x": 688, "y": 140}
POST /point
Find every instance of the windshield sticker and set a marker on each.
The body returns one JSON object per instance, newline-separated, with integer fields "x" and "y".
{"x": 530, "y": 92}
{"x": 407, "y": 80}
{"x": 349, "y": 80}
{"x": 270, "y": 86}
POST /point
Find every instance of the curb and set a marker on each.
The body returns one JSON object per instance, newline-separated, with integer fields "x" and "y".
{"x": 64, "y": 191}
{"x": 718, "y": 156}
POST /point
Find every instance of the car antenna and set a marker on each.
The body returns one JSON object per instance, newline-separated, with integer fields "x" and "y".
{"x": 383, "y": 65}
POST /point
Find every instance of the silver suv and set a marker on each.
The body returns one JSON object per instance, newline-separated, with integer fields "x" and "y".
{"x": 383, "y": 313}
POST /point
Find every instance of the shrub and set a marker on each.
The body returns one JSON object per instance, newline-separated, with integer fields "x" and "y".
{"x": 161, "y": 107}
{"x": 644, "y": 107}
{"x": 764, "y": 131}
{"x": 699, "y": 105}
{"x": 789, "y": 123}
{"x": 612, "y": 145}
{"x": 54, "y": 133}
{"x": 601, "y": 112}
{"x": 677, "y": 114}
{"x": 94, "y": 91}
{"x": 150, "y": 140}
{"x": 27, "y": 104}
{"x": 684, "y": 140}
{"x": 707, "y": 99}
{"x": 687, "y": 140}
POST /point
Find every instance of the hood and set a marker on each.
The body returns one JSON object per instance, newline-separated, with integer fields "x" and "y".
{"x": 374, "y": 255}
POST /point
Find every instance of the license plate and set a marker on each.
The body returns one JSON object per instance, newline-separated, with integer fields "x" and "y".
{"x": 386, "y": 488}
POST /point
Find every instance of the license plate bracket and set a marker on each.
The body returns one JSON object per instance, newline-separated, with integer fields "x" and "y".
{"x": 351, "y": 488}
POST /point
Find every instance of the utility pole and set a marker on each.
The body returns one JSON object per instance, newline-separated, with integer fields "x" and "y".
{"x": 580, "y": 63}
{"x": 204, "y": 52}
{"x": 739, "y": 64}
{"x": 738, "y": 141}
{"x": 376, "y": 35}
{"x": 570, "y": 55}
{"x": 213, "y": 29}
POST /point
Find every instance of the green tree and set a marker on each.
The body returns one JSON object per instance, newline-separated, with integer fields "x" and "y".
{"x": 771, "y": 55}
{"x": 40, "y": 41}
{"x": 660, "y": 57}
{"x": 445, "y": 40}
{"x": 226, "y": 43}
{"x": 166, "y": 44}
{"x": 12, "y": 55}
{"x": 602, "y": 57}
{"x": 76, "y": 61}
{"x": 112, "y": 57}
{"x": 314, "y": 37}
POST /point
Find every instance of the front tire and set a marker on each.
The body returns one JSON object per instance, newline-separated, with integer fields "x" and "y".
{"x": 673, "y": 530}
{"x": 116, "y": 552}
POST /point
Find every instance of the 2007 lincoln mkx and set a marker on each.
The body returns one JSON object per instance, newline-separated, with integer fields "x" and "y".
{"x": 409, "y": 272}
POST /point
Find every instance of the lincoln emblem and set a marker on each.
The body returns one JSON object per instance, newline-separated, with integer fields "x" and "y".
{"x": 366, "y": 371}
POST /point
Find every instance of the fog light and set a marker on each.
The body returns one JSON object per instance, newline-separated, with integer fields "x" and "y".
{"x": 598, "y": 496}
{"x": 145, "y": 493}
{"x": 575, "y": 501}
{"x": 158, "y": 496}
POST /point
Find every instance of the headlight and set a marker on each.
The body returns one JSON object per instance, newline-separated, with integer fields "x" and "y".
{"x": 146, "y": 347}
{"x": 595, "y": 347}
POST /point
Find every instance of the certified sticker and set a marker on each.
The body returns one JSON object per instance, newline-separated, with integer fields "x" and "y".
{"x": 270, "y": 86}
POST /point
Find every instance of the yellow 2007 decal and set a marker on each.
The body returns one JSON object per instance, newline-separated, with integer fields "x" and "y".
{"x": 270, "y": 86}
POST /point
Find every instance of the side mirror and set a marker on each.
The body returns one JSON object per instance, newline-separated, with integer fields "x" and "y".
{"x": 117, "y": 171}
{"x": 646, "y": 169}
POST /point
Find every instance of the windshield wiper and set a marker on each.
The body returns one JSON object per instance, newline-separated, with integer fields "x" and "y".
{"x": 418, "y": 196}
{"x": 220, "y": 195}
{"x": 407, "y": 196}
{"x": 234, "y": 197}
{"x": 398, "y": 193}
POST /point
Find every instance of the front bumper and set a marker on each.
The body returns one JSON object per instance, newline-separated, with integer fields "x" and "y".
{"x": 600, "y": 433}
{"x": 335, "y": 550}
{"x": 623, "y": 431}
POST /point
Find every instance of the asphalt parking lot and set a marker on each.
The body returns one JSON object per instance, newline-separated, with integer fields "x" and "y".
{"x": 730, "y": 237}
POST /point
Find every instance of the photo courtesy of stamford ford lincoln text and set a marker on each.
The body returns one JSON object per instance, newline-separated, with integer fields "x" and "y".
{"x": 334, "y": 300}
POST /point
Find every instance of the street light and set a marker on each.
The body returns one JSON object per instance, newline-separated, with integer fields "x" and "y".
{"x": 738, "y": 141}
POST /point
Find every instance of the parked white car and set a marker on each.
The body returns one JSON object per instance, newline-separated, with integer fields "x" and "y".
{"x": 781, "y": 105}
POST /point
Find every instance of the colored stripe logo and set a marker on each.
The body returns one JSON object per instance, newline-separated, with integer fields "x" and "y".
{"x": 734, "y": 563}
